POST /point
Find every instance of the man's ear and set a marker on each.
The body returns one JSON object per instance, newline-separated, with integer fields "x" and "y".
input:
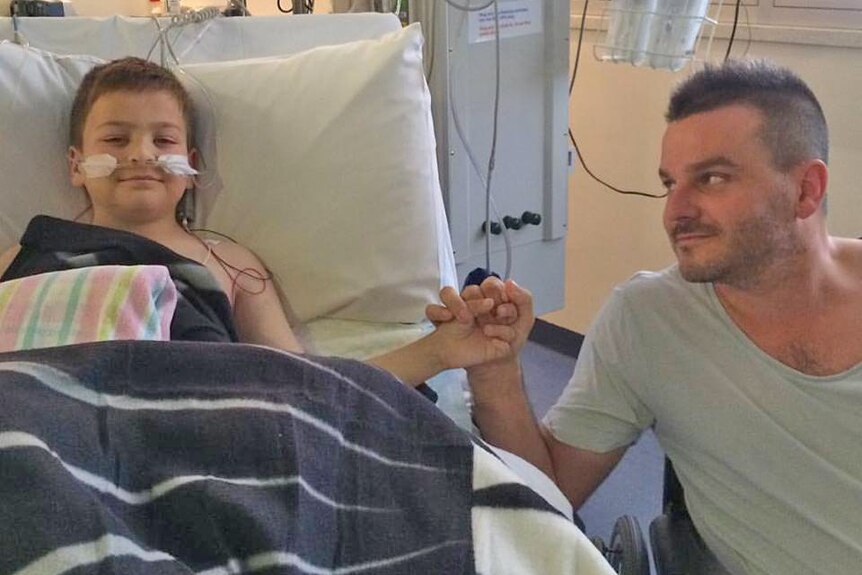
{"x": 76, "y": 176}
{"x": 812, "y": 179}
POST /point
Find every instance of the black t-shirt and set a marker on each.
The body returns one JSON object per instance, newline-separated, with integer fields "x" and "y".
{"x": 203, "y": 312}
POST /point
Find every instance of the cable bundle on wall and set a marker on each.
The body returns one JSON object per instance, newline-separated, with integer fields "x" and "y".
{"x": 178, "y": 21}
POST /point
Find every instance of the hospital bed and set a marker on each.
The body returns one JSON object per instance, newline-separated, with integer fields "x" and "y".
{"x": 137, "y": 456}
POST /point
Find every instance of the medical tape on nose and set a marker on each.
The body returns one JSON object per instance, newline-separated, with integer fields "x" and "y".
{"x": 103, "y": 165}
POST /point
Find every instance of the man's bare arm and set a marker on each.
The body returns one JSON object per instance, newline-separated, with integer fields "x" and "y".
{"x": 503, "y": 414}
{"x": 501, "y": 407}
{"x": 579, "y": 472}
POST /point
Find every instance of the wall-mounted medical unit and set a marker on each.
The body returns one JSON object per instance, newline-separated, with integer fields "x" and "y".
{"x": 529, "y": 180}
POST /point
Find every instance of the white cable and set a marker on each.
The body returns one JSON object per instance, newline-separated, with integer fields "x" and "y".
{"x": 18, "y": 37}
{"x": 456, "y": 120}
{"x": 207, "y": 178}
{"x": 486, "y": 181}
{"x": 204, "y": 29}
{"x": 492, "y": 156}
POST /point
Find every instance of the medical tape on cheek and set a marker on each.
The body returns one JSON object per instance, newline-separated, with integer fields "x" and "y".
{"x": 103, "y": 165}
{"x": 176, "y": 164}
{"x": 98, "y": 166}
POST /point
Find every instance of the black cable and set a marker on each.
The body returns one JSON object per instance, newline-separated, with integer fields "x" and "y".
{"x": 604, "y": 183}
{"x": 733, "y": 30}
{"x": 572, "y": 136}
{"x": 282, "y": 10}
{"x": 578, "y": 50}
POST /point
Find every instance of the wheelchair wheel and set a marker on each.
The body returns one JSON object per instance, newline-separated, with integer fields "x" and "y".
{"x": 627, "y": 552}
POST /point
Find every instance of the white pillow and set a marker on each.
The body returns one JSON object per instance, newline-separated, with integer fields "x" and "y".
{"x": 328, "y": 163}
{"x": 365, "y": 145}
{"x": 36, "y": 93}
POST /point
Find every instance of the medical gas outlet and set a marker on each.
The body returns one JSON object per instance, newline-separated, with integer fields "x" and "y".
{"x": 513, "y": 223}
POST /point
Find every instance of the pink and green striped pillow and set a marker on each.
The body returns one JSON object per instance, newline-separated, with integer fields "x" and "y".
{"x": 86, "y": 304}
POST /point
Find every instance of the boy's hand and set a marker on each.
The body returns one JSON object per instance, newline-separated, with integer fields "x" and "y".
{"x": 500, "y": 311}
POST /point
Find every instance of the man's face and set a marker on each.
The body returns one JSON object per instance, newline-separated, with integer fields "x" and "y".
{"x": 729, "y": 214}
{"x": 135, "y": 128}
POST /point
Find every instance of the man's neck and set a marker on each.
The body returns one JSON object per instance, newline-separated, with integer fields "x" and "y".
{"x": 804, "y": 282}
{"x": 806, "y": 317}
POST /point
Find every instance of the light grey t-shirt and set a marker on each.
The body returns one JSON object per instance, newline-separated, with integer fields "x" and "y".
{"x": 770, "y": 458}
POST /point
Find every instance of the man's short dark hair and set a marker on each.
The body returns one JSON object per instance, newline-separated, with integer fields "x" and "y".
{"x": 794, "y": 127}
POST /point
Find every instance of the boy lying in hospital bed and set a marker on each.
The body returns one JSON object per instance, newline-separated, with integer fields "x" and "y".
{"x": 130, "y": 150}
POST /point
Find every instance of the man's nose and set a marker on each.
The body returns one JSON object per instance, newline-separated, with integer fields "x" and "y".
{"x": 681, "y": 202}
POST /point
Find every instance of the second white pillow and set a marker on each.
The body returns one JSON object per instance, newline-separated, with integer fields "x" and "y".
{"x": 327, "y": 160}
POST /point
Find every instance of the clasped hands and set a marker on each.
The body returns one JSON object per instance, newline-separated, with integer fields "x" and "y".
{"x": 485, "y": 325}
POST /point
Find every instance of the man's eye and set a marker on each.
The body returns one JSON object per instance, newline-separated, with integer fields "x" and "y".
{"x": 712, "y": 179}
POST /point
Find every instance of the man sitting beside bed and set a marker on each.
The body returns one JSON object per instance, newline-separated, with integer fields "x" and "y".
{"x": 131, "y": 151}
{"x": 745, "y": 357}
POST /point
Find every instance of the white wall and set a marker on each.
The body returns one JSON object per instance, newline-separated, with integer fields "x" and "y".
{"x": 617, "y": 117}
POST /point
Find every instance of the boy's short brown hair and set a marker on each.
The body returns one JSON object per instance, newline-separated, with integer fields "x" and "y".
{"x": 126, "y": 74}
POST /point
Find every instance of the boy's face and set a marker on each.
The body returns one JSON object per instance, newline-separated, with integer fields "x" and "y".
{"x": 135, "y": 128}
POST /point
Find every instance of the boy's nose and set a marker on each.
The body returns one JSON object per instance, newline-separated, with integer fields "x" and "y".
{"x": 141, "y": 151}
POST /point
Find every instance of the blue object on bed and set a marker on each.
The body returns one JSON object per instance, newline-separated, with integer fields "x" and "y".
{"x": 478, "y": 275}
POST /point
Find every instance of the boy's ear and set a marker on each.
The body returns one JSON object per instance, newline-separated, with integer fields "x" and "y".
{"x": 76, "y": 176}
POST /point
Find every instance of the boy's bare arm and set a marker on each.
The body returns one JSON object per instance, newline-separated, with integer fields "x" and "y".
{"x": 7, "y": 257}
{"x": 456, "y": 343}
{"x": 257, "y": 310}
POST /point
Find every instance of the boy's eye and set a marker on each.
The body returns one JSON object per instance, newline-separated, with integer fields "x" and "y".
{"x": 166, "y": 141}
{"x": 114, "y": 139}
